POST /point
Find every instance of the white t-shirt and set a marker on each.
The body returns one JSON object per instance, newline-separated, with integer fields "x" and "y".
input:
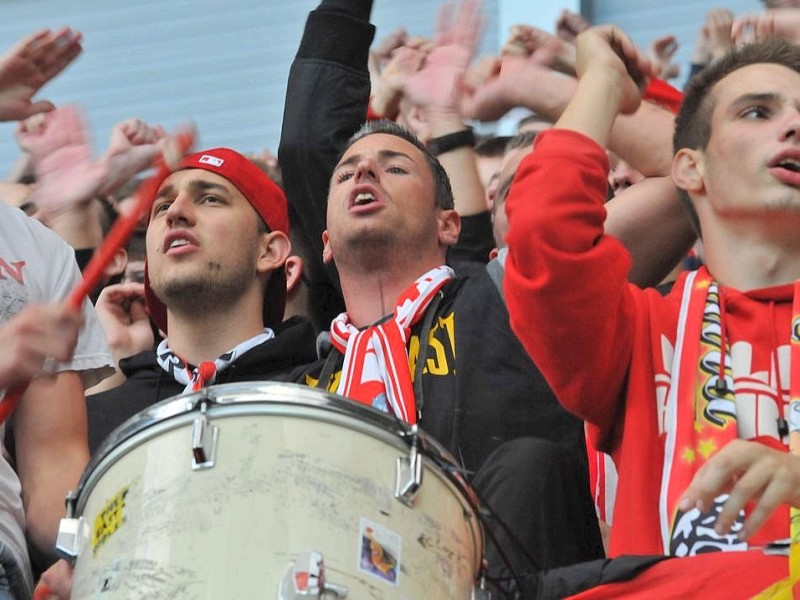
{"x": 38, "y": 266}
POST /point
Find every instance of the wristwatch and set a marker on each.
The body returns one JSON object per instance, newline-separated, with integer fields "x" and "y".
{"x": 451, "y": 141}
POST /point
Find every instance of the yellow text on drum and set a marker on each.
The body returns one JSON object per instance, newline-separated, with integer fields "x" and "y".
{"x": 109, "y": 520}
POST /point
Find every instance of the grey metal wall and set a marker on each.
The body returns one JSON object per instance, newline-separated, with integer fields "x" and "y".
{"x": 223, "y": 63}
{"x": 220, "y": 63}
{"x": 648, "y": 19}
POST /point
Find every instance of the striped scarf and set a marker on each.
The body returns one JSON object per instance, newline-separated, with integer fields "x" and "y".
{"x": 375, "y": 370}
{"x": 206, "y": 372}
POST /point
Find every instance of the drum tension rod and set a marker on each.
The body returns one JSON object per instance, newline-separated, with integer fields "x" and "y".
{"x": 409, "y": 471}
{"x": 71, "y": 531}
{"x": 204, "y": 440}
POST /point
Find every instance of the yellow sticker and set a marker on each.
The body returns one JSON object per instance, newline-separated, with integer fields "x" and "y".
{"x": 109, "y": 519}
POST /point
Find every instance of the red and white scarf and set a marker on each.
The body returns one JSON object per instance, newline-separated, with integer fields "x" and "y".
{"x": 375, "y": 369}
{"x": 701, "y": 413}
{"x": 206, "y": 372}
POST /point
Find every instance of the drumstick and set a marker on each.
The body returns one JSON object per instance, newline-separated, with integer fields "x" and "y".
{"x": 119, "y": 234}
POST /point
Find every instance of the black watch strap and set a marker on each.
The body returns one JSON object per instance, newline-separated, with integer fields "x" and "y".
{"x": 451, "y": 141}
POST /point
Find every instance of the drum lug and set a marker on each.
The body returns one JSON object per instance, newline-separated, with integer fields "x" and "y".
{"x": 305, "y": 578}
{"x": 204, "y": 441}
{"x": 71, "y": 532}
{"x": 480, "y": 592}
{"x": 408, "y": 474}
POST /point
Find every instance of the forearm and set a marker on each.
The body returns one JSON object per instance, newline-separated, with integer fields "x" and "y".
{"x": 460, "y": 164}
{"x": 593, "y": 107}
{"x": 52, "y": 451}
{"x": 650, "y": 221}
{"x": 566, "y": 282}
{"x": 644, "y": 139}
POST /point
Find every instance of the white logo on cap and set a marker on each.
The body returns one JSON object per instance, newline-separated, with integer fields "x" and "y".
{"x": 211, "y": 160}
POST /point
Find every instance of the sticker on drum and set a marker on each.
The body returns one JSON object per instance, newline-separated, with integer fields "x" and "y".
{"x": 379, "y": 554}
{"x": 110, "y": 518}
{"x": 268, "y": 490}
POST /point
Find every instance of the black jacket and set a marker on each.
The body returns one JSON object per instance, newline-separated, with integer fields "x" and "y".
{"x": 277, "y": 359}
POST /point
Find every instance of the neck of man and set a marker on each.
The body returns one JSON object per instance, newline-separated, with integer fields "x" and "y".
{"x": 371, "y": 294}
{"x": 752, "y": 255}
{"x": 204, "y": 335}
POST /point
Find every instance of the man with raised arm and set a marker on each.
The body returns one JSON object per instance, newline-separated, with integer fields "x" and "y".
{"x": 691, "y": 393}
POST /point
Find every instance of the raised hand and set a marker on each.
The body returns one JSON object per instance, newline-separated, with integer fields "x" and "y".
{"x": 132, "y": 147}
{"x": 610, "y": 73}
{"x": 493, "y": 85}
{"x": 30, "y": 65}
{"x": 608, "y": 51}
{"x": 541, "y": 47}
{"x": 382, "y": 51}
{"x": 387, "y": 90}
{"x": 569, "y": 25}
{"x": 126, "y": 324}
{"x": 748, "y": 472}
{"x": 34, "y": 336}
{"x": 662, "y": 49}
{"x": 439, "y": 84}
{"x": 718, "y": 31}
{"x": 58, "y": 144}
{"x": 779, "y": 22}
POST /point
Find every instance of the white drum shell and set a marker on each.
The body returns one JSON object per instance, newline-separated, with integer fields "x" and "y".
{"x": 295, "y": 469}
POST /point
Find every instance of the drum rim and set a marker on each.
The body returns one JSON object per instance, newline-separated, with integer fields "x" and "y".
{"x": 165, "y": 415}
{"x": 227, "y": 394}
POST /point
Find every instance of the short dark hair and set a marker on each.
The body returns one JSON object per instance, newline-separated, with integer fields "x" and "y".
{"x": 693, "y": 123}
{"x": 521, "y": 140}
{"x": 492, "y": 146}
{"x": 443, "y": 193}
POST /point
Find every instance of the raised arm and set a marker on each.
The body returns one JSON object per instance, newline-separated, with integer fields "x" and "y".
{"x": 528, "y": 80}
{"x": 566, "y": 282}
{"x": 29, "y": 65}
{"x": 326, "y": 102}
{"x": 436, "y": 90}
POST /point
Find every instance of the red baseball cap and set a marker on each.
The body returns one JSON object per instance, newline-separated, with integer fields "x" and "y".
{"x": 264, "y": 195}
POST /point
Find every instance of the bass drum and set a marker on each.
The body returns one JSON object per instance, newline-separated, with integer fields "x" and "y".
{"x": 268, "y": 490}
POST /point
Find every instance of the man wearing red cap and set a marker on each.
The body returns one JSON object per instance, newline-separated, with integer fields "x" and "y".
{"x": 217, "y": 240}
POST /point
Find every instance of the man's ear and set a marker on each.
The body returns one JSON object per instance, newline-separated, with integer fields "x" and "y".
{"x": 118, "y": 264}
{"x": 449, "y": 227}
{"x": 294, "y": 272}
{"x": 275, "y": 247}
{"x": 327, "y": 252}
{"x": 688, "y": 170}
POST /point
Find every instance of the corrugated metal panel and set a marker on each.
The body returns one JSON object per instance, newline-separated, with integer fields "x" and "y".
{"x": 645, "y": 20}
{"x": 222, "y": 64}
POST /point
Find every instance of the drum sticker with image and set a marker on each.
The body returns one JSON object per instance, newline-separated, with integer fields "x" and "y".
{"x": 379, "y": 551}
{"x": 109, "y": 519}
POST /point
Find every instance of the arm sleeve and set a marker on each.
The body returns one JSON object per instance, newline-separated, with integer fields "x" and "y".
{"x": 566, "y": 281}
{"x": 92, "y": 358}
{"x": 326, "y": 102}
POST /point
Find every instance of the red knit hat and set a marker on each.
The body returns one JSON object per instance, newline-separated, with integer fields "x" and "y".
{"x": 264, "y": 195}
